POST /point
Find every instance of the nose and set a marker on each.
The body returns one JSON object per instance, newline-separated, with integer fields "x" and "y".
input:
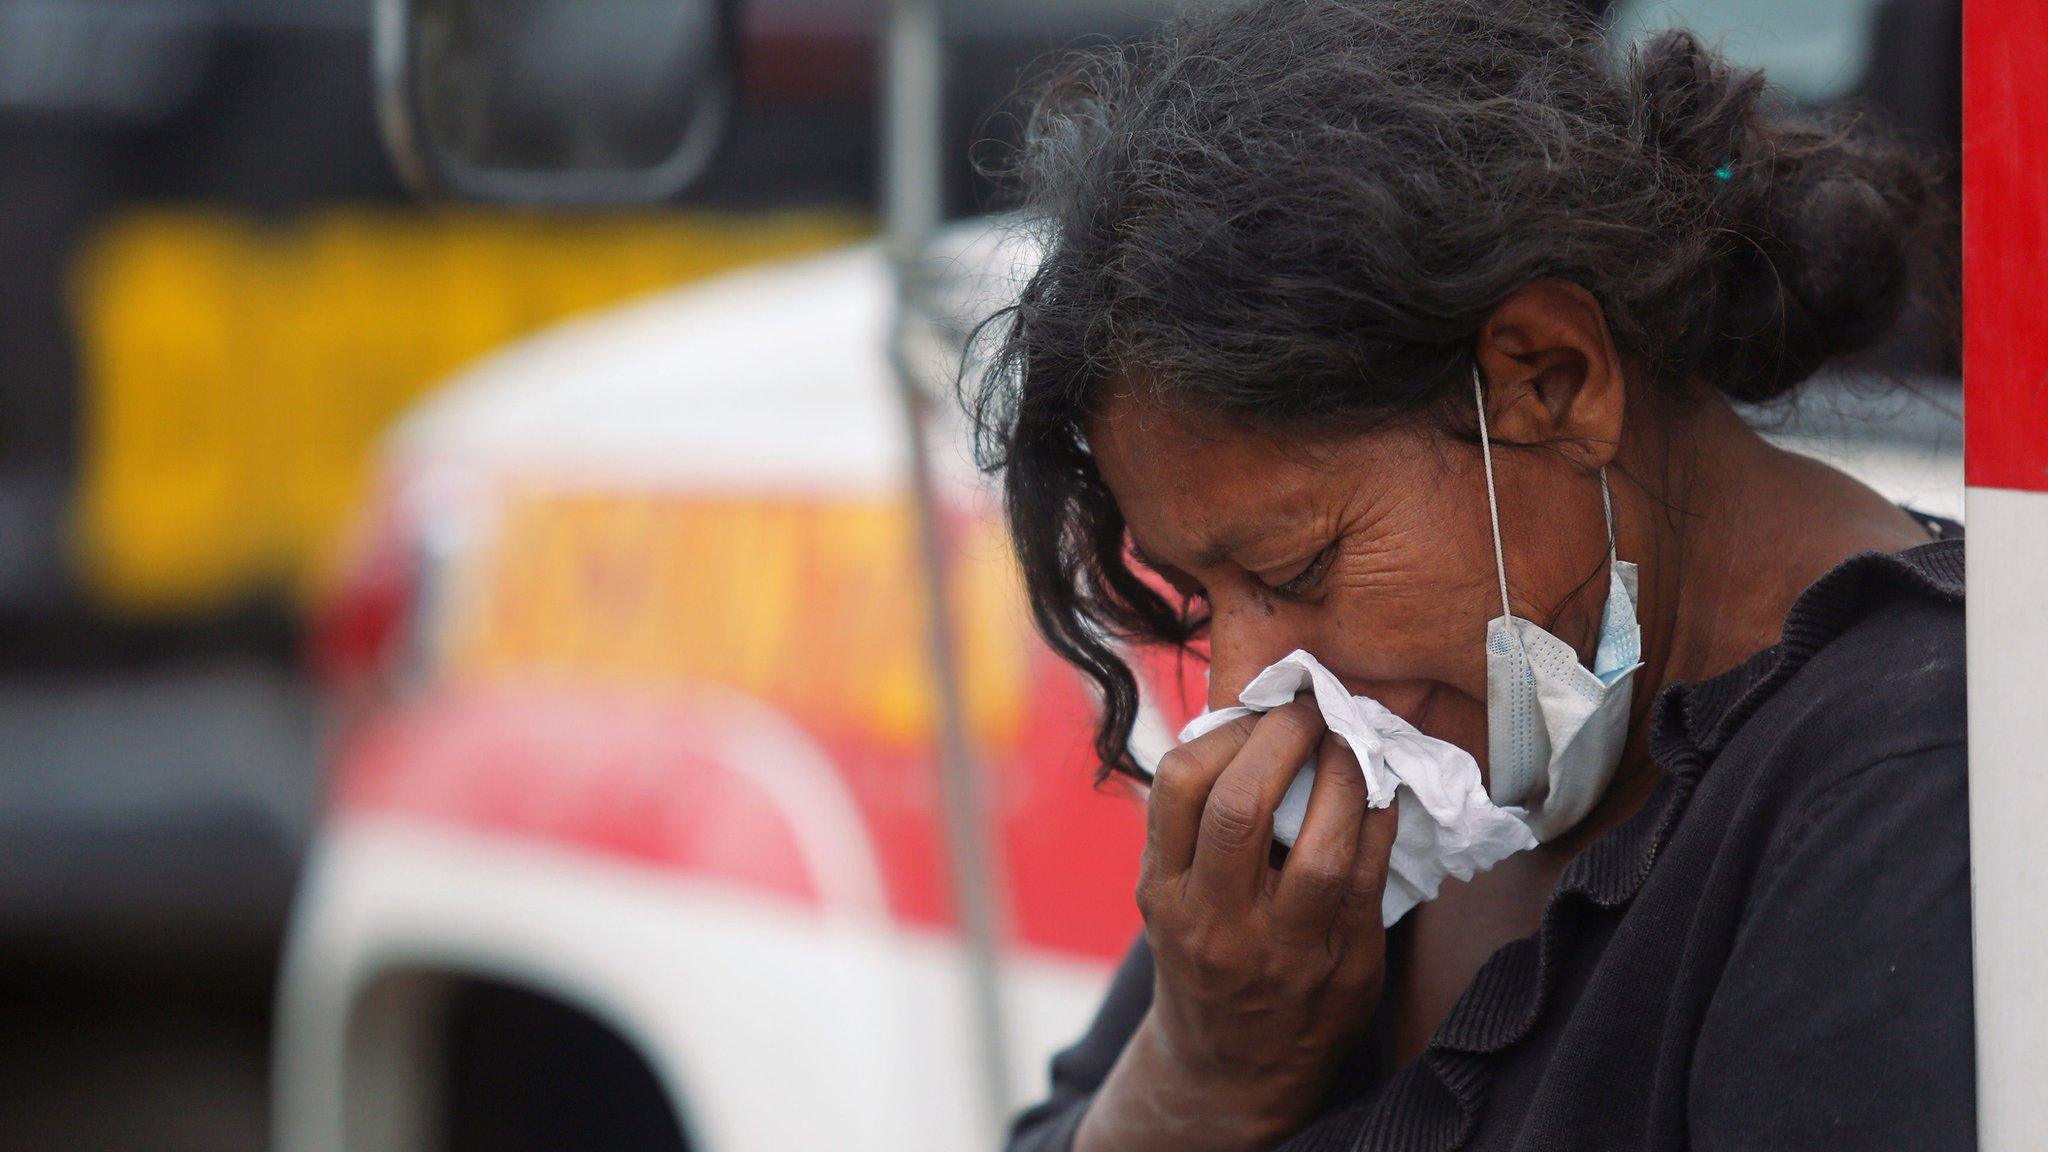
{"x": 1247, "y": 641}
{"x": 1242, "y": 643}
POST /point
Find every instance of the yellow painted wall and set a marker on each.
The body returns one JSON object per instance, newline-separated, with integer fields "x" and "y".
{"x": 237, "y": 373}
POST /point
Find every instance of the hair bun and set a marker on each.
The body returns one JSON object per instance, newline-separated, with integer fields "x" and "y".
{"x": 1815, "y": 220}
{"x": 1697, "y": 109}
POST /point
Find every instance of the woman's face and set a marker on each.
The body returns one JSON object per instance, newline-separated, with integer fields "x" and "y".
{"x": 1373, "y": 552}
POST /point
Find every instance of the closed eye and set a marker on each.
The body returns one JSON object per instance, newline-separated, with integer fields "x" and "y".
{"x": 1304, "y": 582}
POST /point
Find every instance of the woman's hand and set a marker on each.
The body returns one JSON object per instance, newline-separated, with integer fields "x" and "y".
{"x": 1264, "y": 978}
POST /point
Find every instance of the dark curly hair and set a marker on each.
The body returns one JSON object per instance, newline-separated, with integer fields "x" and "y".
{"x": 1299, "y": 213}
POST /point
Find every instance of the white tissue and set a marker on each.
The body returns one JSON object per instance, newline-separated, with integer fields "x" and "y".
{"x": 1447, "y": 825}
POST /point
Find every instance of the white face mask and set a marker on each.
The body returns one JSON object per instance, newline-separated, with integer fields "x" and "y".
{"x": 1555, "y": 728}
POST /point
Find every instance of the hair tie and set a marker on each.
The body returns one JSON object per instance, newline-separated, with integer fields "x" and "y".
{"x": 1725, "y": 172}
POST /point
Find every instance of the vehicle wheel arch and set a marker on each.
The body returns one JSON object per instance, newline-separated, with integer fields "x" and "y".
{"x": 411, "y": 1033}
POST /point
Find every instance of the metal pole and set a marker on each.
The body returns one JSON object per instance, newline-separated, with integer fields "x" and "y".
{"x": 913, "y": 196}
{"x": 2005, "y": 255}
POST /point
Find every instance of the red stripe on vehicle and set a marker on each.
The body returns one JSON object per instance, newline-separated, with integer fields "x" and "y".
{"x": 626, "y": 775}
{"x": 2005, "y": 243}
{"x": 612, "y": 777}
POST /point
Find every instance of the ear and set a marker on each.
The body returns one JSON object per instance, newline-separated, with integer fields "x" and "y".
{"x": 1552, "y": 373}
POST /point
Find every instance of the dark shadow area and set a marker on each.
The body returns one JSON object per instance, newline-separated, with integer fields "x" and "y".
{"x": 528, "y": 1073}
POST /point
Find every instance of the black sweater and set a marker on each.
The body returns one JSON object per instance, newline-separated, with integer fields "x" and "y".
{"x": 1773, "y": 954}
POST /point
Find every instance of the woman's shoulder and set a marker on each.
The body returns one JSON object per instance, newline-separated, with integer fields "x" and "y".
{"x": 1883, "y": 674}
{"x": 1887, "y": 647}
{"x": 1870, "y": 667}
{"x": 1846, "y": 741}
{"x": 1839, "y": 769}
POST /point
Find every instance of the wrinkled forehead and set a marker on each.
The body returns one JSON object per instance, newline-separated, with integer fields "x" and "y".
{"x": 1139, "y": 441}
{"x": 1194, "y": 488}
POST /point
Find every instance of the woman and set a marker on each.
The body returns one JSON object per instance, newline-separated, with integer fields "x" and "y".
{"x": 1357, "y": 319}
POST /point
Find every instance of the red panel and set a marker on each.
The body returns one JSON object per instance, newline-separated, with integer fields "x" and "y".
{"x": 1070, "y": 851}
{"x": 611, "y": 776}
{"x": 628, "y": 777}
{"x": 2005, "y": 242}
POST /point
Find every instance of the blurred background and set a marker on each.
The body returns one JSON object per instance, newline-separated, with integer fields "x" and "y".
{"x": 216, "y": 304}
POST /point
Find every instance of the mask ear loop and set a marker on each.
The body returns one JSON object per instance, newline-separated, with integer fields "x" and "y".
{"x": 1607, "y": 509}
{"x": 1500, "y": 562}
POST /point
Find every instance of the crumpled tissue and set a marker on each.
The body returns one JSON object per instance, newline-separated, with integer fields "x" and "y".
{"x": 1447, "y": 825}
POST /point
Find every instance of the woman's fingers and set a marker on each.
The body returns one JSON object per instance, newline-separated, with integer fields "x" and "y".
{"x": 1360, "y": 910}
{"x": 1180, "y": 787}
{"x": 1317, "y": 875}
{"x": 1232, "y": 845}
